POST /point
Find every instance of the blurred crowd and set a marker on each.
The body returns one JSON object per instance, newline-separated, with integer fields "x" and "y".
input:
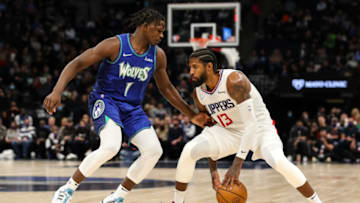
{"x": 301, "y": 37}
{"x": 36, "y": 41}
{"x": 327, "y": 136}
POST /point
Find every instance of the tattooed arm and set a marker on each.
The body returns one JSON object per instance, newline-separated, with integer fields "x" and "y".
{"x": 238, "y": 86}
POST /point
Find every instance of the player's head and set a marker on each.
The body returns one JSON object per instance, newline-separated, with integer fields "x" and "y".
{"x": 202, "y": 62}
{"x": 151, "y": 22}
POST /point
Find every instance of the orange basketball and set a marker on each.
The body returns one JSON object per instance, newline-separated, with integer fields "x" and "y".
{"x": 237, "y": 194}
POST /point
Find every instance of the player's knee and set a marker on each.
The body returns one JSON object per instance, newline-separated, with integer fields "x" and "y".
{"x": 153, "y": 151}
{"x": 109, "y": 150}
{"x": 275, "y": 159}
{"x": 194, "y": 151}
{"x": 186, "y": 152}
{"x": 156, "y": 152}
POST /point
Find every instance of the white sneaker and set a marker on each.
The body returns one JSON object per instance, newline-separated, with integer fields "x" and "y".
{"x": 62, "y": 195}
{"x": 60, "y": 156}
{"x": 71, "y": 156}
{"x": 112, "y": 199}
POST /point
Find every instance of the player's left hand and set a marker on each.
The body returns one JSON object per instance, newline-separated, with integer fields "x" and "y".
{"x": 231, "y": 176}
{"x": 202, "y": 120}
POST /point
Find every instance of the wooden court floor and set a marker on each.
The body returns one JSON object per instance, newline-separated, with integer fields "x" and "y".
{"x": 35, "y": 181}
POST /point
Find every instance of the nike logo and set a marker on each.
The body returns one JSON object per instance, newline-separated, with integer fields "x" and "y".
{"x": 221, "y": 92}
{"x": 242, "y": 151}
{"x": 125, "y": 55}
{"x": 148, "y": 59}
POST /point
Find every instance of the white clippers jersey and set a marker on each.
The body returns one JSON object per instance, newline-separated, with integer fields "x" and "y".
{"x": 223, "y": 109}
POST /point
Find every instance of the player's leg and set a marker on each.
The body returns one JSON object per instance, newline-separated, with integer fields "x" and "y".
{"x": 149, "y": 146}
{"x": 214, "y": 142}
{"x": 271, "y": 150}
{"x": 110, "y": 142}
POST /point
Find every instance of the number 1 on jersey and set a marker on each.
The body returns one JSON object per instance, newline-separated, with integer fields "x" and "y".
{"x": 224, "y": 117}
{"x": 128, "y": 85}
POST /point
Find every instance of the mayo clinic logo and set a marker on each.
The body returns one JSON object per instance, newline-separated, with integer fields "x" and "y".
{"x": 299, "y": 84}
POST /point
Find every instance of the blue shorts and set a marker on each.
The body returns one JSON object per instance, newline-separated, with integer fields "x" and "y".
{"x": 131, "y": 118}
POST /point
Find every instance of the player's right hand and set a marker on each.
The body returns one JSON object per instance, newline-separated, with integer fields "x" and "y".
{"x": 215, "y": 179}
{"x": 202, "y": 120}
{"x": 52, "y": 101}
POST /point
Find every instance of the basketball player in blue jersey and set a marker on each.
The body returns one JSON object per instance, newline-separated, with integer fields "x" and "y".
{"x": 243, "y": 124}
{"x": 128, "y": 62}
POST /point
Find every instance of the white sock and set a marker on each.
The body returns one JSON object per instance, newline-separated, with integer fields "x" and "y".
{"x": 121, "y": 192}
{"x": 314, "y": 198}
{"x": 72, "y": 184}
{"x": 179, "y": 196}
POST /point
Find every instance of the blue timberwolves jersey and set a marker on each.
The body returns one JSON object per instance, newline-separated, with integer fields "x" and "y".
{"x": 127, "y": 77}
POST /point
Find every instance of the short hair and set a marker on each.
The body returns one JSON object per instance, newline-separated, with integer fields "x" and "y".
{"x": 146, "y": 15}
{"x": 205, "y": 55}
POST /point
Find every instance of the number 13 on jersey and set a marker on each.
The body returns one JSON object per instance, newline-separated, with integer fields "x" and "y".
{"x": 224, "y": 119}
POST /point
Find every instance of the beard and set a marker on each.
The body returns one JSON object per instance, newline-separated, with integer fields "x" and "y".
{"x": 200, "y": 81}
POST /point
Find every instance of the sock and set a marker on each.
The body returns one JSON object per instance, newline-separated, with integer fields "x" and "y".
{"x": 179, "y": 196}
{"x": 121, "y": 192}
{"x": 72, "y": 184}
{"x": 314, "y": 198}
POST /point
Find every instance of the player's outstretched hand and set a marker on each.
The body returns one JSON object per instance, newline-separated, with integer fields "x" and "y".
{"x": 202, "y": 120}
{"x": 52, "y": 101}
{"x": 231, "y": 176}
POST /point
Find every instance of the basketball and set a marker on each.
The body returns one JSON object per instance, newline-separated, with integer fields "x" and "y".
{"x": 237, "y": 194}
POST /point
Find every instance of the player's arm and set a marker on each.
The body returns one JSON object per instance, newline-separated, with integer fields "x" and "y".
{"x": 108, "y": 48}
{"x": 171, "y": 94}
{"x": 215, "y": 177}
{"x": 200, "y": 107}
{"x": 239, "y": 88}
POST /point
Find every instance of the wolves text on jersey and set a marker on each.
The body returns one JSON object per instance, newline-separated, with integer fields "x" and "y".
{"x": 221, "y": 105}
{"x": 126, "y": 70}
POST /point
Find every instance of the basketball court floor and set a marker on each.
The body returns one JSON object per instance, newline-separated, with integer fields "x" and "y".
{"x": 35, "y": 181}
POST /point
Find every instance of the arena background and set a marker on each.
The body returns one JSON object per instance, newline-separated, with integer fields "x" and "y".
{"x": 303, "y": 56}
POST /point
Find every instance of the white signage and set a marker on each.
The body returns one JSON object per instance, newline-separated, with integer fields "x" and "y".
{"x": 299, "y": 84}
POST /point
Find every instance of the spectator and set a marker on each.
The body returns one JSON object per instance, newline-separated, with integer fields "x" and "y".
{"x": 189, "y": 129}
{"x": 128, "y": 152}
{"x": 3, "y": 144}
{"x": 51, "y": 123}
{"x": 297, "y": 142}
{"x": 42, "y": 134}
{"x": 175, "y": 140}
{"x": 80, "y": 144}
{"x": 13, "y": 137}
{"x": 159, "y": 111}
{"x": 66, "y": 135}
{"x": 27, "y": 134}
{"x": 53, "y": 145}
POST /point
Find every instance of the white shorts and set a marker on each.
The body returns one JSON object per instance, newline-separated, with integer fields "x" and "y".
{"x": 227, "y": 141}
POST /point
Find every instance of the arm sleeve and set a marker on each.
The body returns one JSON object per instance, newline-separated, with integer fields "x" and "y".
{"x": 249, "y": 139}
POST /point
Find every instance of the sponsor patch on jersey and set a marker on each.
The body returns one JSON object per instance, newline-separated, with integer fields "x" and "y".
{"x": 98, "y": 109}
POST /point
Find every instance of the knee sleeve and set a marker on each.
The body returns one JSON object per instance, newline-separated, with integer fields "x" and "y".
{"x": 194, "y": 150}
{"x": 277, "y": 160}
{"x": 110, "y": 142}
{"x": 149, "y": 146}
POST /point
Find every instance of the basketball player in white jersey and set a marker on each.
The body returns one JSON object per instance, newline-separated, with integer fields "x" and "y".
{"x": 243, "y": 124}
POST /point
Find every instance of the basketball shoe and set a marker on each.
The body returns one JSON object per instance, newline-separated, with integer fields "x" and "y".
{"x": 112, "y": 199}
{"x": 62, "y": 195}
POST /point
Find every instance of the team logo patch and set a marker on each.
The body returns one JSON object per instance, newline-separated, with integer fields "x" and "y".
{"x": 98, "y": 109}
